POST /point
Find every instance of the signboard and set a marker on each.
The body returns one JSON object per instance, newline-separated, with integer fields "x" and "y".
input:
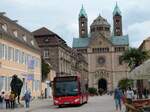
{"x": 30, "y": 77}
{"x": 31, "y": 64}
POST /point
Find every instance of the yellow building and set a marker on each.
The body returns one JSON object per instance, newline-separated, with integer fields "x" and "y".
{"x": 20, "y": 55}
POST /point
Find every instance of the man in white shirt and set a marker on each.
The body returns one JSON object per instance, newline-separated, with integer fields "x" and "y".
{"x": 129, "y": 95}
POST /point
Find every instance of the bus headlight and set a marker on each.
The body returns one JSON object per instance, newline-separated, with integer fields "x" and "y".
{"x": 56, "y": 101}
{"x": 76, "y": 100}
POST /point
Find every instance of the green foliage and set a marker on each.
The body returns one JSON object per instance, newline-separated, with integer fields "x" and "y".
{"x": 45, "y": 69}
{"x": 134, "y": 57}
{"x": 92, "y": 90}
{"x": 124, "y": 83}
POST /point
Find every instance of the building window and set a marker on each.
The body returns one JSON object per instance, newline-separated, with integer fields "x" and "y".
{"x": 32, "y": 42}
{"x": 24, "y": 38}
{"x": 46, "y": 53}
{"x": 9, "y": 53}
{"x": 23, "y": 58}
{"x": 1, "y": 51}
{"x": 15, "y": 33}
{"x": 99, "y": 28}
{"x": 82, "y": 24}
{"x": 13, "y": 54}
{"x": 119, "y": 49}
{"x": 82, "y": 31}
{"x": 46, "y": 40}
{"x": 33, "y": 85}
{"x": 92, "y": 29}
{"x": 100, "y": 50}
{"x": 5, "y": 52}
{"x": 16, "y": 55}
{"x": 1, "y": 83}
{"x": 120, "y": 60}
{"x": 107, "y": 29}
{"x": 4, "y": 27}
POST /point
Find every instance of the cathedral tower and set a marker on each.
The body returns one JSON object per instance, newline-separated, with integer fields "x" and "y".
{"x": 117, "y": 21}
{"x": 83, "y": 23}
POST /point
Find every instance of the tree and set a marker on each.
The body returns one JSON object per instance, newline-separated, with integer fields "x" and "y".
{"x": 16, "y": 86}
{"x": 134, "y": 57}
{"x": 45, "y": 69}
{"x": 124, "y": 83}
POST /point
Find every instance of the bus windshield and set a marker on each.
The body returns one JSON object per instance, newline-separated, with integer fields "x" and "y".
{"x": 68, "y": 88}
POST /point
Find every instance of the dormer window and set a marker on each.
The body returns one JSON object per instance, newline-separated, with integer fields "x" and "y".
{"x": 46, "y": 40}
{"x": 24, "y": 38}
{"x": 4, "y": 27}
{"x": 15, "y": 33}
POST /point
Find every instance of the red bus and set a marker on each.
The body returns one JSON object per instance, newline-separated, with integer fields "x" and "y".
{"x": 69, "y": 90}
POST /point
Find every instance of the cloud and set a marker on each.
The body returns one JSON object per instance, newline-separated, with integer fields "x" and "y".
{"x": 138, "y": 32}
{"x": 61, "y": 16}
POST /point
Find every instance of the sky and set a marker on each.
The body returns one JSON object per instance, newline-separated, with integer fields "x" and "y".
{"x": 61, "y": 16}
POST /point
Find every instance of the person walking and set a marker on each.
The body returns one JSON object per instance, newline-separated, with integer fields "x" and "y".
{"x": 27, "y": 98}
{"x": 129, "y": 95}
{"x": 12, "y": 100}
{"x": 117, "y": 98}
{"x": 1, "y": 101}
{"x": 7, "y": 100}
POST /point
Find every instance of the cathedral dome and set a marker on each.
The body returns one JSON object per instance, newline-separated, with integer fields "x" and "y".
{"x": 100, "y": 21}
{"x": 100, "y": 25}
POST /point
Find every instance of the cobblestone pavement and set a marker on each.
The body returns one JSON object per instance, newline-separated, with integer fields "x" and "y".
{"x": 95, "y": 104}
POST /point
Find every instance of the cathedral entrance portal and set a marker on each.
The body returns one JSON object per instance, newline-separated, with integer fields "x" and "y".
{"x": 102, "y": 86}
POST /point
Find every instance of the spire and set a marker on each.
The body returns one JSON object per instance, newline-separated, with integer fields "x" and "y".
{"x": 82, "y": 12}
{"x": 116, "y": 10}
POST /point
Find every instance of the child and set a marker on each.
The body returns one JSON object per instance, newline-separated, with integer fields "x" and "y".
{"x": 27, "y": 98}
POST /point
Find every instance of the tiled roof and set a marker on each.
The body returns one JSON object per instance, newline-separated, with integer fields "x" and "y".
{"x": 100, "y": 21}
{"x": 42, "y": 31}
{"x": 21, "y": 31}
{"x": 120, "y": 40}
{"x": 8, "y": 36}
{"x": 80, "y": 42}
{"x": 115, "y": 40}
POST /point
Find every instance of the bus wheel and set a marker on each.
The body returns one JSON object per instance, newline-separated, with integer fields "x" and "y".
{"x": 86, "y": 101}
{"x": 60, "y": 106}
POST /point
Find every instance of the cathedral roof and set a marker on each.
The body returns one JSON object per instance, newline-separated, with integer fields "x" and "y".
{"x": 82, "y": 12}
{"x": 100, "y": 21}
{"x": 116, "y": 10}
{"x": 120, "y": 40}
{"x": 115, "y": 40}
{"x": 80, "y": 42}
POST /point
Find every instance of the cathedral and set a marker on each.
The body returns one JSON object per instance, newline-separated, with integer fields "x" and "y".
{"x": 103, "y": 49}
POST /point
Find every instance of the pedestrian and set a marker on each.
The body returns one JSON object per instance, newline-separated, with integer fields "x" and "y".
{"x": 12, "y": 100}
{"x": 42, "y": 94}
{"x": 7, "y": 100}
{"x": 27, "y": 98}
{"x": 3, "y": 98}
{"x": 129, "y": 95}
{"x": 117, "y": 98}
{"x": 1, "y": 101}
{"x": 140, "y": 93}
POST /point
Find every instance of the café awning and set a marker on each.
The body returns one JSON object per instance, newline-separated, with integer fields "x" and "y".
{"x": 141, "y": 72}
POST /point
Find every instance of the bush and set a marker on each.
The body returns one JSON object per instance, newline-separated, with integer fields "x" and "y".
{"x": 92, "y": 90}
